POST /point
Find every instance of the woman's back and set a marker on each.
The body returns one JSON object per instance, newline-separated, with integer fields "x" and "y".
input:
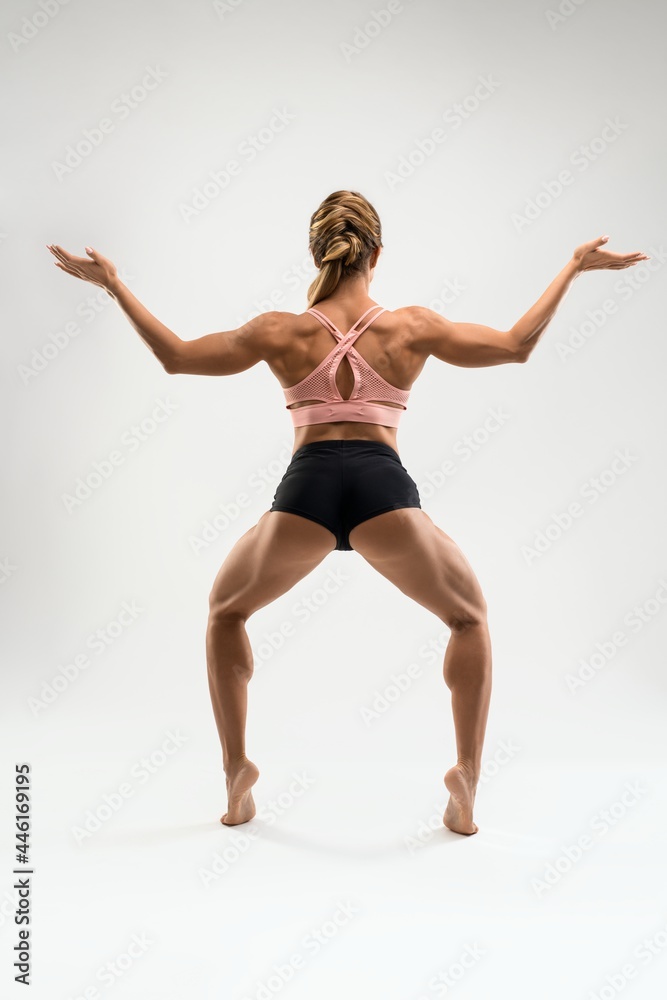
{"x": 303, "y": 342}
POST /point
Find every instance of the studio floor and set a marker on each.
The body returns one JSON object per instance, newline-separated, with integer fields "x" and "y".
{"x": 346, "y": 884}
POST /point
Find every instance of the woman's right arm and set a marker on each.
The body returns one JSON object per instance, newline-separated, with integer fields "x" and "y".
{"x": 472, "y": 345}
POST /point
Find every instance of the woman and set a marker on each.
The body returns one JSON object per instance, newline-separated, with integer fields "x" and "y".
{"x": 346, "y": 487}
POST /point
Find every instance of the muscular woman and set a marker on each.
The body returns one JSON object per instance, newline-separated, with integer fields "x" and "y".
{"x": 347, "y": 366}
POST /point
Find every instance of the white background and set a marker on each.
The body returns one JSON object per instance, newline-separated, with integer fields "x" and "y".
{"x": 362, "y": 100}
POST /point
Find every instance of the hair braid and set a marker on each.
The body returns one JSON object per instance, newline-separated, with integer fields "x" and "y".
{"x": 344, "y": 232}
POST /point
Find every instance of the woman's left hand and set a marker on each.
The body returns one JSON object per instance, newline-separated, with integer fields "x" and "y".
{"x": 95, "y": 268}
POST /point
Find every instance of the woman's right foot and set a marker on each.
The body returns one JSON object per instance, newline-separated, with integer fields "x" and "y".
{"x": 240, "y": 803}
{"x": 461, "y": 788}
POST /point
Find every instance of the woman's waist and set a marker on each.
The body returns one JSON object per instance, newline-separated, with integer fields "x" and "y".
{"x": 338, "y": 443}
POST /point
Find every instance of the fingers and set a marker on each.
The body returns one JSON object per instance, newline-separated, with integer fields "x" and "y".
{"x": 69, "y": 270}
{"x": 618, "y": 265}
{"x": 625, "y": 259}
{"x": 585, "y": 249}
{"x": 57, "y": 252}
{"x": 66, "y": 267}
{"x": 609, "y": 259}
{"x": 617, "y": 258}
{"x": 63, "y": 263}
{"x": 593, "y": 244}
{"x": 66, "y": 257}
{"x": 85, "y": 268}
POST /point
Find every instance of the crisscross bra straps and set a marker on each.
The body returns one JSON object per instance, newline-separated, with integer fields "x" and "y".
{"x": 369, "y": 393}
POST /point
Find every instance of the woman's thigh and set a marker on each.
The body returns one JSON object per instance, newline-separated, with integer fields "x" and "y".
{"x": 269, "y": 559}
{"x": 424, "y": 563}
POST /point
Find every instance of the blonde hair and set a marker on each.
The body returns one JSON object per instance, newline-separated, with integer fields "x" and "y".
{"x": 344, "y": 232}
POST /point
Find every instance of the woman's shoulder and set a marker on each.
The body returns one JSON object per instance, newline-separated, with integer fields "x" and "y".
{"x": 283, "y": 329}
{"x": 279, "y": 328}
{"x": 405, "y": 314}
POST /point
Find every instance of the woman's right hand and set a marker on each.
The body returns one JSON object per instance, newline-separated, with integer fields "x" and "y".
{"x": 95, "y": 268}
{"x": 592, "y": 256}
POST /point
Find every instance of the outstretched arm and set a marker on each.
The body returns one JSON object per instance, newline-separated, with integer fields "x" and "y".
{"x": 472, "y": 345}
{"x": 224, "y": 353}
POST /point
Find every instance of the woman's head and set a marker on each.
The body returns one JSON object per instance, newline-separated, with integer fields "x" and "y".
{"x": 345, "y": 232}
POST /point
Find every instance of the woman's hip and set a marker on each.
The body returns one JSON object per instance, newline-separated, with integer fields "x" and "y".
{"x": 347, "y": 472}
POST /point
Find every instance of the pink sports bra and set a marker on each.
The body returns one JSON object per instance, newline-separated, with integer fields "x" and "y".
{"x": 368, "y": 385}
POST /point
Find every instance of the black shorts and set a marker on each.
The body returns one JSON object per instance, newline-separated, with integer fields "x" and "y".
{"x": 340, "y": 483}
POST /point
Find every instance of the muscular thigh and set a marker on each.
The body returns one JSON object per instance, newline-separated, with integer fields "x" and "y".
{"x": 269, "y": 559}
{"x": 426, "y": 564}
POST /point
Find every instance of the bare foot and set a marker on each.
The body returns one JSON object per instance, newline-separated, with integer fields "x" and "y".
{"x": 461, "y": 788}
{"x": 240, "y": 803}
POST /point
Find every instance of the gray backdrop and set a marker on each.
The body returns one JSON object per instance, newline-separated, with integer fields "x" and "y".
{"x": 190, "y": 143}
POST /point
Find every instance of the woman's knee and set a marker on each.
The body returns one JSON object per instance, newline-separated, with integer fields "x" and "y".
{"x": 226, "y": 620}
{"x": 466, "y": 615}
{"x": 226, "y": 607}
